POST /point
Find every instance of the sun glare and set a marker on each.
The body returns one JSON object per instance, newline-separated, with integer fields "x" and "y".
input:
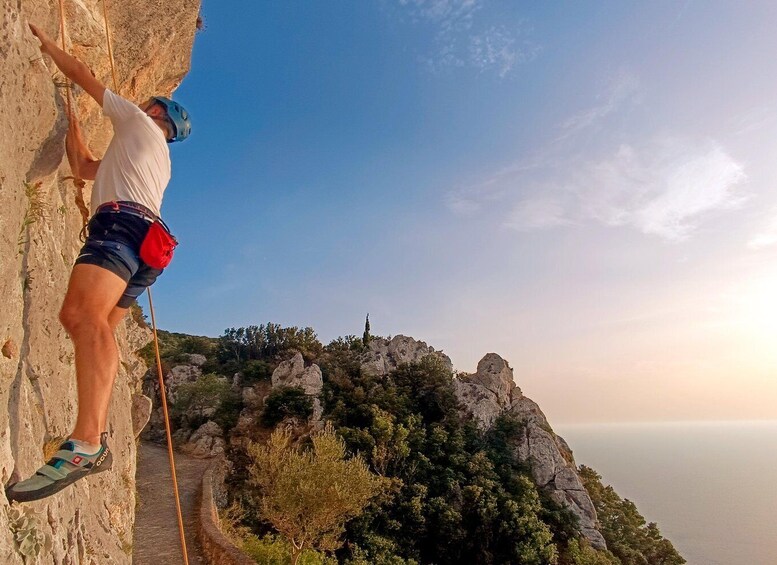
{"x": 756, "y": 312}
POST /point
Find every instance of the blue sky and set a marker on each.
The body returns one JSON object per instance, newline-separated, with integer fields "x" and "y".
{"x": 585, "y": 188}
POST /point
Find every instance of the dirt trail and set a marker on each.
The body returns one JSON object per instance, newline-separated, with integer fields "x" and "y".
{"x": 156, "y": 540}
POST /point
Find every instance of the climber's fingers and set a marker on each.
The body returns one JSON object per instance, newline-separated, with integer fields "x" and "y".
{"x": 40, "y": 34}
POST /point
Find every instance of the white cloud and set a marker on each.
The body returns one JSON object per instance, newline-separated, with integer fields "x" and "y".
{"x": 495, "y": 188}
{"x": 535, "y": 214}
{"x": 623, "y": 88}
{"x": 753, "y": 120}
{"x": 449, "y": 14}
{"x": 496, "y": 48}
{"x": 766, "y": 237}
{"x": 461, "y": 205}
{"x": 461, "y": 40}
{"x": 694, "y": 185}
{"x": 663, "y": 189}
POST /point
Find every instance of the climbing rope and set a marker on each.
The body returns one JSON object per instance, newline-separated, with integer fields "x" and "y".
{"x": 64, "y": 48}
{"x": 82, "y": 206}
{"x": 167, "y": 429}
{"x": 76, "y": 178}
{"x": 162, "y": 391}
{"x": 110, "y": 47}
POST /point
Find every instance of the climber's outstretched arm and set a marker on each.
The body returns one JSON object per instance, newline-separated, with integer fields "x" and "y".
{"x": 83, "y": 164}
{"x": 73, "y": 69}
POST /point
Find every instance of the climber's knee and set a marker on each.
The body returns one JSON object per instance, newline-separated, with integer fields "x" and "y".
{"x": 67, "y": 317}
{"x": 92, "y": 294}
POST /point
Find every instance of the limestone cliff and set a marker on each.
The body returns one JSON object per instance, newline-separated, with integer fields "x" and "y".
{"x": 490, "y": 392}
{"x": 39, "y": 224}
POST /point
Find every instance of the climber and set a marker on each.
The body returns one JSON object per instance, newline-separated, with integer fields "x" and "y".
{"x": 109, "y": 273}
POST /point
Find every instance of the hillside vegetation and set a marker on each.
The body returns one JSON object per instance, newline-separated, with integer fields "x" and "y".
{"x": 449, "y": 492}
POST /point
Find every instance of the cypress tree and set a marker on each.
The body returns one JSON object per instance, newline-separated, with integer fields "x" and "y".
{"x": 366, "y": 337}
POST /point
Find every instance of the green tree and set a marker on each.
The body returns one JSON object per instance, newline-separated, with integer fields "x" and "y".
{"x": 308, "y": 495}
{"x": 628, "y": 536}
{"x": 284, "y": 402}
{"x": 459, "y": 498}
{"x": 274, "y": 550}
{"x": 209, "y": 397}
{"x": 256, "y": 370}
{"x": 366, "y": 337}
{"x": 580, "y": 552}
{"x": 270, "y": 342}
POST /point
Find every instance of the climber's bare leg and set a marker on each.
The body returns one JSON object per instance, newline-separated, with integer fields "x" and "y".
{"x": 91, "y": 297}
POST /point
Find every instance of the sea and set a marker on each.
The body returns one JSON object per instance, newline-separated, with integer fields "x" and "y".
{"x": 710, "y": 486}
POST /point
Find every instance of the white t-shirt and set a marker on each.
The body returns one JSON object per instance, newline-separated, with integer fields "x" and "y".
{"x": 136, "y": 165}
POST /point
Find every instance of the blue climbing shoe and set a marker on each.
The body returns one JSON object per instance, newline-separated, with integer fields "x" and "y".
{"x": 63, "y": 469}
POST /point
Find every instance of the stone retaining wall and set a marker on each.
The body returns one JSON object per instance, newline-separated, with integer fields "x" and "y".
{"x": 216, "y": 546}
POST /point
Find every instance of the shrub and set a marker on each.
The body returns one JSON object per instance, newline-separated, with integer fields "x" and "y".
{"x": 198, "y": 344}
{"x": 270, "y": 342}
{"x": 256, "y": 370}
{"x": 209, "y": 397}
{"x": 284, "y": 402}
{"x": 377, "y": 550}
{"x": 174, "y": 347}
{"x": 274, "y": 550}
{"x": 308, "y": 495}
{"x": 580, "y": 552}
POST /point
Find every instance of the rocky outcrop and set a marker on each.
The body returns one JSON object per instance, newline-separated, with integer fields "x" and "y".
{"x": 486, "y": 394}
{"x": 178, "y": 375}
{"x": 207, "y": 441}
{"x": 490, "y": 392}
{"x": 92, "y": 521}
{"x": 383, "y": 356}
{"x": 293, "y": 372}
{"x": 187, "y": 372}
{"x": 553, "y": 467}
{"x": 141, "y": 413}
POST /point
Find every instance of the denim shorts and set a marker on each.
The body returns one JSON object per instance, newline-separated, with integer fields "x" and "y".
{"x": 114, "y": 244}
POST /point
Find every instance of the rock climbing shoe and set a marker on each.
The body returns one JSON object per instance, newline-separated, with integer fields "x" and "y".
{"x": 63, "y": 469}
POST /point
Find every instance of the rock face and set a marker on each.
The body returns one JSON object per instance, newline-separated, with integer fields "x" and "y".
{"x": 554, "y": 468}
{"x": 92, "y": 521}
{"x": 486, "y": 394}
{"x": 293, "y": 372}
{"x": 490, "y": 392}
{"x": 206, "y": 441}
{"x": 175, "y": 377}
{"x": 383, "y": 356}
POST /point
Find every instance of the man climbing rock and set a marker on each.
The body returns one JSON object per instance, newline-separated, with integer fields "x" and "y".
{"x": 109, "y": 273}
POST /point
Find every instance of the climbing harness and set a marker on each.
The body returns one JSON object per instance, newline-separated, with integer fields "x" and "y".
{"x": 80, "y": 184}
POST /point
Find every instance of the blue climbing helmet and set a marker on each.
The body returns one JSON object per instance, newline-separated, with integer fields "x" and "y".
{"x": 179, "y": 118}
